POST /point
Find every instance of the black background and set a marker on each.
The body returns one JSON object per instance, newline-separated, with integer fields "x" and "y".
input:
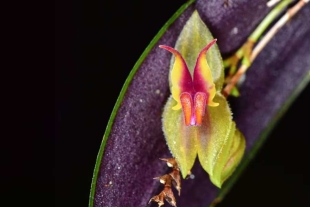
{"x": 97, "y": 44}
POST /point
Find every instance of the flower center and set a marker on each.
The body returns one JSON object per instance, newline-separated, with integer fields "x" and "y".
{"x": 194, "y": 107}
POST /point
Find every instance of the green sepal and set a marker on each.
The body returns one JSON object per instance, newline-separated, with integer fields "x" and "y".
{"x": 210, "y": 140}
{"x": 235, "y": 155}
{"x": 214, "y": 135}
{"x": 229, "y": 158}
{"x": 193, "y": 38}
{"x": 181, "y": 139}
{"x": 222, "y": 157}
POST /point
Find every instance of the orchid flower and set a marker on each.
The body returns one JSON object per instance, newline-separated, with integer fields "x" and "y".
{"x": 197, "y": 120}
{"x": 192, "y": 94}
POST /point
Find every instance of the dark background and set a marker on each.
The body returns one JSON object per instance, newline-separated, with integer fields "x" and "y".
{"x": 97, "y": 44}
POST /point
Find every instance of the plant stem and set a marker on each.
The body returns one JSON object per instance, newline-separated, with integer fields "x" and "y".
{"x": 245, "y": 51}
{"x": 279, "y": 24}
{"x": 284, "y": 19}
{"x": 268, "y": 20}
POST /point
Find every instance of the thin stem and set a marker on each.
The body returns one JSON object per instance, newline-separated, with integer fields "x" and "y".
{"x": 268, "y": 20}
{"x": 279, "y": 24}
{"x": 245, "y": 51}
{"x": 284, "y": 19}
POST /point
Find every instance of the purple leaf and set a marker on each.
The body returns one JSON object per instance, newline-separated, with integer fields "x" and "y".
{"x": 128, "y": 158}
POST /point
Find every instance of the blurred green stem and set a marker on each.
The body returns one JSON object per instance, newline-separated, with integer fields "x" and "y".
{"x": 268, "y": 20}
{"x": 246, "y": 52}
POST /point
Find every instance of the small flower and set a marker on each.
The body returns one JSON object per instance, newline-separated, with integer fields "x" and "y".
{"x": 192, "y": 94}
{"x": 204, "y": 126}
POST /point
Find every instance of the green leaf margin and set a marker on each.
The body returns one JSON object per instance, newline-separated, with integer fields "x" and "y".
{"x": 122, "y": 93}
{"x": 259, "y": 143}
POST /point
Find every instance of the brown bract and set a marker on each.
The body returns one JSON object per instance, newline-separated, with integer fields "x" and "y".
{"x": 168, "y": 180}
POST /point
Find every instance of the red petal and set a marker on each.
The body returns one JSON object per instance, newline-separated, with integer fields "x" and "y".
{"x": 200, "y": 107}
{"x": 187, "y": 105}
